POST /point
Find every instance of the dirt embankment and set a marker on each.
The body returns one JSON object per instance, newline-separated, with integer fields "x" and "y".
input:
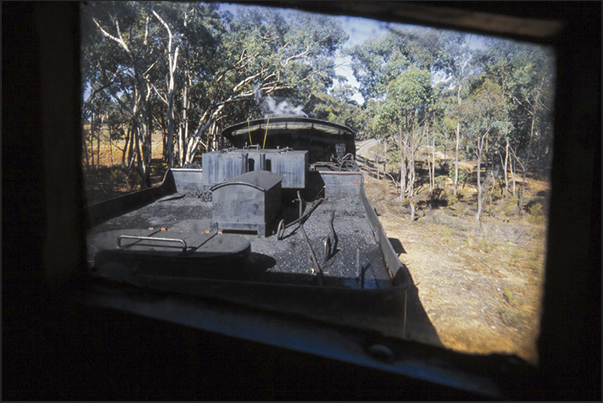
{"x": 479, "y": 282}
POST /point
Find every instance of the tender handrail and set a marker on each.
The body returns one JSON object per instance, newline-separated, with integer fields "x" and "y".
{"x": 150, "y": 238}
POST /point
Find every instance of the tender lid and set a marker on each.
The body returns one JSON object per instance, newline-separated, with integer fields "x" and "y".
{"x": 262, "y": 180}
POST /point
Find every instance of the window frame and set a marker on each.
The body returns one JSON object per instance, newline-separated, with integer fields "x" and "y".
{"x": 571, "y": 306}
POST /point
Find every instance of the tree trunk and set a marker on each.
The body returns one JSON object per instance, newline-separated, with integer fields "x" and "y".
{"x": 411, "y": 172}
{"x": 111, "y": 158}
{"x": 479, "y": 187}
{"x": 85, "y": 151}
{"x": 456, "y": 158}
{"x": 431, "y": 182}
{"x": 480, "y": 149}
{"x": 131, "y": 148}
{"x": 147, "y": 130}
{"x": 493, "y": 185}
{"x": 92, "y": 140}
{"x": 183, "y": 132}
{"x": 457, "y": 142}
{"x": 412, "y": 209}
{"x": 525, "y": 167}
{"x": 506, "y": 170}
{"x": 172, "y": 63}
{"x": 433, "y": 161}
{"x": 512, "y": 169}
{"x": 402, "y": 166}
{"x": 170, "y": 140}
{"x": 98, "y": 146}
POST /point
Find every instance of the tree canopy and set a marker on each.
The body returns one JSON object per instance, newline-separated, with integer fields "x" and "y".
{"x": 187, "y": 69}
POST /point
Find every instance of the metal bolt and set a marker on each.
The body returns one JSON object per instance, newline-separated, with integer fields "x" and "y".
{"x": 381, "y": 352}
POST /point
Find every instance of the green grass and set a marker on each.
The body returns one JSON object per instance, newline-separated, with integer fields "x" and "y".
{"x": 508, "y": 296}
{"x": 447, "y": 233}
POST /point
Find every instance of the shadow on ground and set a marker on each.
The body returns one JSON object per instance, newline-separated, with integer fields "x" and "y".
{"x": 418, "y": 325}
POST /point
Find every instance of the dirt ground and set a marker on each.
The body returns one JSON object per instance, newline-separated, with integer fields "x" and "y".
{"x": 478, "y": 283}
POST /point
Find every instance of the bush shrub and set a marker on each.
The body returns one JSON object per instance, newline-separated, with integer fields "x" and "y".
{"x": 440, "y": 180}
{"x": 510, "y": 208}
{"x": 462, "y": 176}
{"x": 536, "y": 210}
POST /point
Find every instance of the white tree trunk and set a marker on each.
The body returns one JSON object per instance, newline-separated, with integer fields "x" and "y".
{"x": 506, "y": 170}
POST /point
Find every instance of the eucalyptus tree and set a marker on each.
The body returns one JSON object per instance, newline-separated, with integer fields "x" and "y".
{"x": 336, "y": 107}
{"x": 125, "y": 33}
{"x": 487, "y": 119}
{"x": 377, "y": 62}
{"x": 190, "y": 66}
{"x": 263, "y": 54}
{"x": 532, "y": 93}
{"x": 525, "y": 75}
{"x": 190, "y": 39}
{"x": 396, "y": 72}
{"x": 458, "y": 64}
{"x": 401, "y": 116}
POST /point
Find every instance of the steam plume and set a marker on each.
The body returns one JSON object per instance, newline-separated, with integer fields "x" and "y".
{"x": 270, "y": 107}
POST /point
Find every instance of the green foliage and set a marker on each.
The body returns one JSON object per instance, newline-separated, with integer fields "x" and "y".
{"x": 378, "y": 62}
{"x": 462, "y": 175}
{"x": 334, "y": 109}
{"x": 510, "y": 208}
{"x": 486, "y": 112}
{"x": 508, "y": 295}
{"x": 440, "y": 180}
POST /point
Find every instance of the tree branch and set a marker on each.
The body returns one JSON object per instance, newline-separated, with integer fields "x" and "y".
{"x": 119, "y": 40}
{"x": 305, "y": 52}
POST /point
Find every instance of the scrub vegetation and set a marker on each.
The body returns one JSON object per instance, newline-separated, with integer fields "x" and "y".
{"x": 480, "y": 282}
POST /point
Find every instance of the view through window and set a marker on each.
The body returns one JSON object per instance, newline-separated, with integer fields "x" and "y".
{"x": 453, "y": 134}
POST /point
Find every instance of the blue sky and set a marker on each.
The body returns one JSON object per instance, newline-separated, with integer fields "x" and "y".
{"x": 359, "y": 29}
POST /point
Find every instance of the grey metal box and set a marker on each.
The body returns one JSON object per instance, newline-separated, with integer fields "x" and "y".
{"x": 222, "y": 165}
{"x": 247, "y": 202}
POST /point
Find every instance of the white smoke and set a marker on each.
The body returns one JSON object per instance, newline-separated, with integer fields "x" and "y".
{"x": 270, "y": 107}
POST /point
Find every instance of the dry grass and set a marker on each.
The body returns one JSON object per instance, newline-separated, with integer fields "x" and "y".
{"x": 479, "y": 282}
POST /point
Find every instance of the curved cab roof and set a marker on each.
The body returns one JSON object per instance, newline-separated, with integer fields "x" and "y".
{"x": 299, "y": 133}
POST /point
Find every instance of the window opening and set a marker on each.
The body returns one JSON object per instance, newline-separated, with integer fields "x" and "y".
{"x": 460, "y": 145}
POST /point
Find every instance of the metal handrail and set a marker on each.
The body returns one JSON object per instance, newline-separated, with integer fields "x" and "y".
{"x": 150, "y": 238}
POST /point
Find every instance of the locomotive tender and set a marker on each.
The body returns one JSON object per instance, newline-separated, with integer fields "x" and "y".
{"x": 279, "y": 222}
